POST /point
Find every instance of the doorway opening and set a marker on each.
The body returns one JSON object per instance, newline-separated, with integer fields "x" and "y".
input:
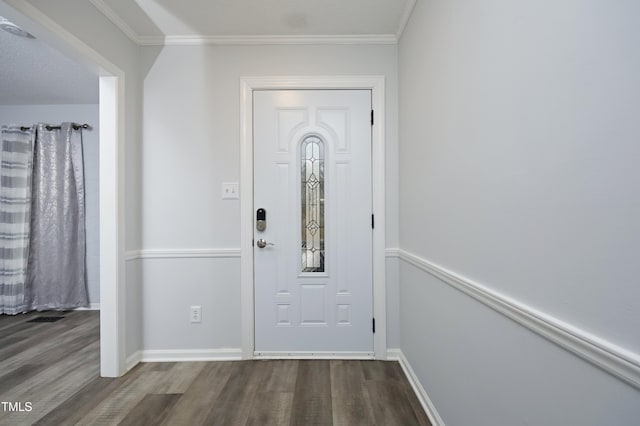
{"x": 111, "y": 171}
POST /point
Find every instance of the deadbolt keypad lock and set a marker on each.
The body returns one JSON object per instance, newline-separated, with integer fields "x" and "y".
{"x": 261, "y": 220}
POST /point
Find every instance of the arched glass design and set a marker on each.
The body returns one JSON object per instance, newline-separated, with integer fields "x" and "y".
{"x": 312, "y": 208}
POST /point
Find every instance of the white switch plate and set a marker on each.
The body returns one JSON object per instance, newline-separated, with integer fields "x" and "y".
{"x": 195, "y": 314}
{"x": 230, "y": 190}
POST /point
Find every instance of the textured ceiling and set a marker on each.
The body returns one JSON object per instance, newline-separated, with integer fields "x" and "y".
{"x": 144, "y": 20}
{"x": 32, "y": 73}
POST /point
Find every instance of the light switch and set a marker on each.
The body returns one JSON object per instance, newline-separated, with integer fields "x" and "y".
{"x": 230, "y": 190}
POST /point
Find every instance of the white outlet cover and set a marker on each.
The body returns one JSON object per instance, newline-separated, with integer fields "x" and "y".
{"x": 230, "y": 190}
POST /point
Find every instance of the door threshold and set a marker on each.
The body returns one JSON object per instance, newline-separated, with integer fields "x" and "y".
{"x": 313, "y": 355}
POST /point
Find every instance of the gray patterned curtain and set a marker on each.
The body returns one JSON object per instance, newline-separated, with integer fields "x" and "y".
{"x": 15, "y": 205}
{"x": 42, "y": 222}
{"x": 56, "y": 277}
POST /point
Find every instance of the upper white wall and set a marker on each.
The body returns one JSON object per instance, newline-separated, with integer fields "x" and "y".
{"x": 192, "y": 132}
{"x": 191, "y": 145}
{"x": 518, "y": 169}
{"x": 519, "y": 128}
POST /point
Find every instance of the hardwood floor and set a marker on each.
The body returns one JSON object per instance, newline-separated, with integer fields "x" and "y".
{"x": 49, "y": 375}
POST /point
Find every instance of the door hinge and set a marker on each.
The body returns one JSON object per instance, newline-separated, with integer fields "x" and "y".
{"x": 372, "y": 117}
{"x": 373, "y": 222}
{"x": 374, "y": 324}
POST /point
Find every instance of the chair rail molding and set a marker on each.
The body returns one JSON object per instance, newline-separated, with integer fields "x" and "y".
{"x": 200, "y": 253}
{"x": 617, "y": 361}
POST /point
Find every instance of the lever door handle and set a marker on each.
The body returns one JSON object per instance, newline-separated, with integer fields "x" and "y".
{"x": 261, "y": 243}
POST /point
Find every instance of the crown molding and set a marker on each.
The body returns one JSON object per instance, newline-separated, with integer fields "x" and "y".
{"x": 116, "y": 20}
{"x": 266, "y": 40}
{"x": 200, "y": 40}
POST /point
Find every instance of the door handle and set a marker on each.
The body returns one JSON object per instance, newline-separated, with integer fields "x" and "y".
{"x": 261, "y": 243}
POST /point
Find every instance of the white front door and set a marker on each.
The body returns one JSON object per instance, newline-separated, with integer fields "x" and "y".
{"x": 312, "y": 186}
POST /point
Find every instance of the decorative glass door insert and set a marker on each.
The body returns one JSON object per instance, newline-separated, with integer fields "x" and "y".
{"x": 312, "y": 208}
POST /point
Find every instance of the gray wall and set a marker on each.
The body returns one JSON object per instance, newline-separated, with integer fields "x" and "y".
{"x": 190, "y": 146}
{"x": 518, "y": 151}
{"x": 25, "y": 115}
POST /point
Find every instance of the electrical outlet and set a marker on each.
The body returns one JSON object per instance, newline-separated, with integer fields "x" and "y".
{"x": 196, "y": 314}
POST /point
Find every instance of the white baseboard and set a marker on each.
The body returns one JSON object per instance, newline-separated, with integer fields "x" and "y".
{"x": 425, "y": 401}
{"x": 133, "y": 360}
{"x": 178, "y": 355}
{"x": 313, "y": 355}
{"x": 91, "y": 307}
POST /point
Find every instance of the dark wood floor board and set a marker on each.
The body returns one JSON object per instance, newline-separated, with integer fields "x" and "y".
{"x": 21, "y": 327}
{"x": 25, "y": 333}
{"x": 7, "y": 321}
{"x": 47, "y": 377}
{"x": 86, "y": 399}
{"x": 114, "y": 409}
{"x": 151, "y": 410}
{"x": 390, "y": 404}
{"x": 80, "y": 403}
{"x": 179, "y": 377}
{"x": 194, "y": 405}
{"x": 46, "y": 337}
{"x": 14, "y": 378}
{"x": 312, "y": 398}
{"x": 421, "y": 415}
{"x": 238, "y": 394}
{"x": 349, "y": 397}
{"x": 275, "y": 396}
{"x": 44, "y": 359}
{"x": 162, "y": 366}
{"x": 280, "y": 375}
{"x": 55, "y": 367}
{"x": 52, "y": 386}
{"x": 271, "y": 409}
{"x": 376, "y": 370}
{"x": 84, "y": 371}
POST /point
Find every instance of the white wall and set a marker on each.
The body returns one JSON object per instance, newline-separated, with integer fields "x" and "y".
{"x": 518, "y": 154}
{"x": 191, "y": 145}
{"x": 25, "y": 115}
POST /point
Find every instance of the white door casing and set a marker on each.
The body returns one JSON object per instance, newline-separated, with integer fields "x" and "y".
{"x": 247, "y": 86}
{"x": 313, "y": 286}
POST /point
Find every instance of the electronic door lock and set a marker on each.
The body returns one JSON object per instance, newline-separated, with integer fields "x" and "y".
{"x": 261, "y": 220}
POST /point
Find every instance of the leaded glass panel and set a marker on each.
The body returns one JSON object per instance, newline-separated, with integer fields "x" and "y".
{"x": 312, "y": 185}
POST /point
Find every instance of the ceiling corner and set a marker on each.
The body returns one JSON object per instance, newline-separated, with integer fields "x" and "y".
{"x": 117, "y": 20}
{"x": 404, "y": 19}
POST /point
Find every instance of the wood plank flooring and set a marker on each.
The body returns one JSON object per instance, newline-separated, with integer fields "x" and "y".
{"x": 54, "y": 367}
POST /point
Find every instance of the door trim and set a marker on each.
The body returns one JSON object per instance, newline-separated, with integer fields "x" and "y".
{"x": 377, "y": 86}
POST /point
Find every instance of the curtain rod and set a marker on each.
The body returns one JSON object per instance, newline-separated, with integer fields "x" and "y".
{"x": 74, "y": 125}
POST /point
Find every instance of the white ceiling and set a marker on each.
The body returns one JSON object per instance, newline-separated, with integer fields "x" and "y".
{"x": 258, "y": 21}
{"x": 32, "y": 73}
